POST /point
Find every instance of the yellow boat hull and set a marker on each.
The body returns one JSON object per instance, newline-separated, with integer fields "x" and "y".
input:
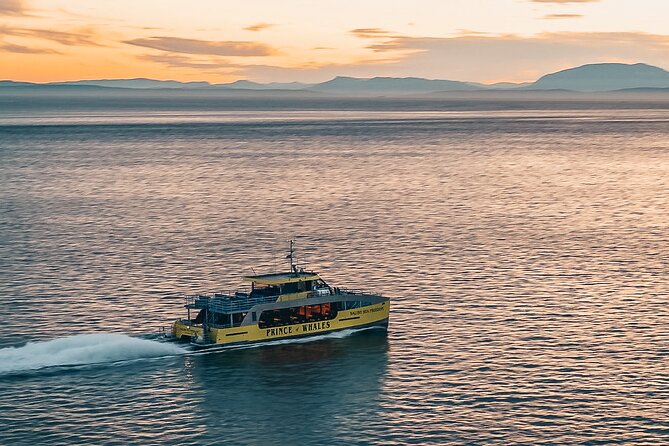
{"x": 368, "y": 316}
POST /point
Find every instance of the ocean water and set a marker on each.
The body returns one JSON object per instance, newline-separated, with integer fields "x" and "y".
{"x": 525, "y": 251}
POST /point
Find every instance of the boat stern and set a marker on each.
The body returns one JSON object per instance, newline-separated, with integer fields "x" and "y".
{"x": 184, "y": 330}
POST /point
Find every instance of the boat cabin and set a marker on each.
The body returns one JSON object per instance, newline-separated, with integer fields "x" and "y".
{"x": 229, "y": 310}
{"x": 286, "y": 286}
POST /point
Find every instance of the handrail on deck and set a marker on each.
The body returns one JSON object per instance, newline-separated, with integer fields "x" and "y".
{"x": 231, "y": 302}
{"x": 359, "y": 292}
{"x": 223, "y": 303}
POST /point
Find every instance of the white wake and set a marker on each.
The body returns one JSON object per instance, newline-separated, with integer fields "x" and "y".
{"x": 81, "y": 350}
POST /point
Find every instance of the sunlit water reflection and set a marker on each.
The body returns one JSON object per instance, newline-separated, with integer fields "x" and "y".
{"x": 525, "y": 253}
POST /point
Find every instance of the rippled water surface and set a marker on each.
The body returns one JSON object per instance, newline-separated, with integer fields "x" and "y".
{"x": 525, "y": 253}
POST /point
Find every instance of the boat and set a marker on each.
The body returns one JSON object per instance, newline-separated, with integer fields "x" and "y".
{"x": 283, "y": 305}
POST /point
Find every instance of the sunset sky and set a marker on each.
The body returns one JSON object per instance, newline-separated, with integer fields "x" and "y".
{"x": 310, "y": 41}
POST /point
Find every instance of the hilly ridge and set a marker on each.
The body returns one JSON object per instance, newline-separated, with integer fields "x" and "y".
{"x": 601, "y": 77}
{"x": 604, "y": 77}
{"x": 343, "y": 84}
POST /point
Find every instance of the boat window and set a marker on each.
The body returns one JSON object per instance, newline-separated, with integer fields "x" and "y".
{"x": 199, "y": 318}
{"x": 288, "y": 288}
{"x": 260, "y": 289}
{"x": 296, "y": 287}
{"x": 297, "y": 315}
{"x": 351, "y": 304}
{"x": 304, "y": 286}
{"x": 237, "y": 318}
{"x": 221, "y": 319}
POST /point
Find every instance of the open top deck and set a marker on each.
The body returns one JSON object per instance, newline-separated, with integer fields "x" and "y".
{"x": 281, "y": 278}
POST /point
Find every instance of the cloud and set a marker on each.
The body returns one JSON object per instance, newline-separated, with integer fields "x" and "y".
{"x": 380, "y": 36}
{"x": 563, "y": 2}
{"x": 470, "y": 32}
{"x": 178, "y": 61}
{"x": 65, "y": 38}
{"x": 372, "y": 33}
{"x": 562, "y": 16}
{"x": 82, "y": 36}
{"x": 478, "y": 57}
{"x": 192, "y": 46}
{"x": 312, "y": 72}
{"x": 485, "y": 58}
{"x": 11, "y": 48}
{"x": 262, "y": 72}
{"x": 259, "y": 26}
{"x": 11, "y": 7}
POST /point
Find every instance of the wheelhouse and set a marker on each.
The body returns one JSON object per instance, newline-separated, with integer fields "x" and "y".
{"x": 286, "y": 286}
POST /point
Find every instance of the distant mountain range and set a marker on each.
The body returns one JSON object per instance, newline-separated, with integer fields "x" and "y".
{"x": 604, "y": 77}
{"x": 136, "y": 83}
{"x": 388, "y": 85}
{"x": 249, "y": 85}
{"x": 601, "y": 77}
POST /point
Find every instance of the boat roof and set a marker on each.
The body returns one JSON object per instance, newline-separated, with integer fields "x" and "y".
{"x": 279, "y": 278}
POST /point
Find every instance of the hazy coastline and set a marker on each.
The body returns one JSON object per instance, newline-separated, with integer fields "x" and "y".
{"x": 28, "y": 100}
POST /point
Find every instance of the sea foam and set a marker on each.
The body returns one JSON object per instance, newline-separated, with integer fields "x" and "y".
{"x": 80, "y": 350}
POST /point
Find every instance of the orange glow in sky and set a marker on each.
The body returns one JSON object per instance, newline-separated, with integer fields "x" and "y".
{"x": 290, "y": 40}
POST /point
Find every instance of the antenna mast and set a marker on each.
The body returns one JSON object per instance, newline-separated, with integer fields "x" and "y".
{"x": 291, "y": 256}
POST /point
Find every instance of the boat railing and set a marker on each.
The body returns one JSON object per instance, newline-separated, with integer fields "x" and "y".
{"x": 227, "y": 302}
{"x": 233, "y": 302}
{"x": 357, "y": 292}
